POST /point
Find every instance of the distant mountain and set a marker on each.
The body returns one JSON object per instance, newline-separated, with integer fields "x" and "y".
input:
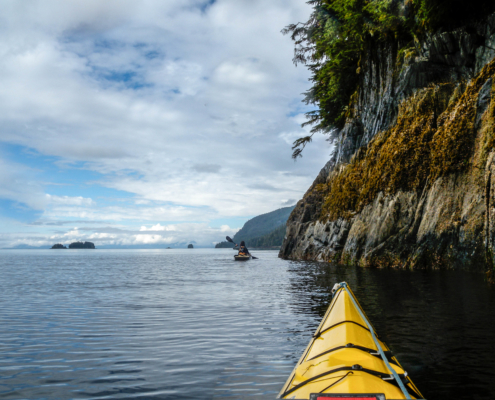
{"x": 272, "y": 239}
{"x": 263, "y": 224}
{"x": 260, "y": 226}
{"x": 26, "y": 247}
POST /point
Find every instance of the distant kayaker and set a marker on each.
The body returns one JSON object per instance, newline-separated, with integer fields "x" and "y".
{"x": 243, "y": 250}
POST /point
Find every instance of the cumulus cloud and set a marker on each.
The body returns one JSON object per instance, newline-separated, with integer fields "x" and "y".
{"x": 156, "y": 227}
{"x": 189, "y": 106}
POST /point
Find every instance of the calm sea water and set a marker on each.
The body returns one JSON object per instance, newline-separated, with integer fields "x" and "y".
{"x": 194, "y": 324}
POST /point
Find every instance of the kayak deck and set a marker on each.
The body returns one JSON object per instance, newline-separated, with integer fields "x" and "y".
{"x": 343, "y": 358}
{"x": 241, "y": 258}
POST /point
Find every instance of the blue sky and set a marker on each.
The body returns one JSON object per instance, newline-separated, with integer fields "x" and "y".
{"x": 148, "y": 123}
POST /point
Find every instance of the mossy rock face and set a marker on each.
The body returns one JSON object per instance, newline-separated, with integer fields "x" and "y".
{"x": 434, "y": 136}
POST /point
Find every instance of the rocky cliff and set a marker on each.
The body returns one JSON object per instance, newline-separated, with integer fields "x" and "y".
{"x": 412, "y": 183}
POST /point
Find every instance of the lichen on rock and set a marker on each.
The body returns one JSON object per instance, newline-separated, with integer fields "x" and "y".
{"x": 434, "y": 136}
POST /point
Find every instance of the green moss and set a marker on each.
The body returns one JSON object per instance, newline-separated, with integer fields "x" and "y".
{"x": 336, "y": 257}
{"x": 347, "y": 259}
{"x": 405, "y": 55}
{"x": 488, "y": 130}
{"x": 452, "y": 144}
{"x": 434, "y": 136}
{"x": 386, "y": 260}
{"x": 395, "y": 159}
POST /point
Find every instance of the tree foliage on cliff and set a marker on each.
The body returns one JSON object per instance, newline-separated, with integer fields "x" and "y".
{"x": 332, "y": 42}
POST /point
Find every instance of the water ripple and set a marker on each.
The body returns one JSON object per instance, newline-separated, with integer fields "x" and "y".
{"x": 171, "y": 324}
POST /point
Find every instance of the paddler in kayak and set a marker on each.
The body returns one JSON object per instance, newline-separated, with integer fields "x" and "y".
{"x": 243, "y": 250}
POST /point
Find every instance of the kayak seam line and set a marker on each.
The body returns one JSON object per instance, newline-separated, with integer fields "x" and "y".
{"x": 365, "y": 349}
{"x": 314, "y": 378}
{"x": 366, "y": 370}
{"x": 338, "y": 323}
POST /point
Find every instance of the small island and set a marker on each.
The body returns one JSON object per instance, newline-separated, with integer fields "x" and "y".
{"x": 190, "y": 246}
{"x": 81, "y": 245}
{"x": 75, "y": 245}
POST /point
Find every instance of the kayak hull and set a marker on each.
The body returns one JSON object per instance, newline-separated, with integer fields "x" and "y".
{"x": 343, "y": 358}
{"x": 241, "y": 258}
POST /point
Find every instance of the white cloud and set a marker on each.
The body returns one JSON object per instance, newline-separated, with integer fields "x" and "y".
{"x": 289, "y": 202}
{"x": 69, "y": 201}
{"x": 187, "y": 109}
{"x": 149, "y": 239}
{"x": 156, "y": 227}
{"x": 243, "y": 74}
{"x": 225, "y": 228}
{"x": 124, "y": 213}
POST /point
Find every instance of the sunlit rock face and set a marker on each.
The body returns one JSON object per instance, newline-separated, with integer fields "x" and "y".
{"x": 412, "y": 184}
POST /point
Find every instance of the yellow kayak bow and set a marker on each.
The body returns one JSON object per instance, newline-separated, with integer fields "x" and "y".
{"x": 346, "y": 360}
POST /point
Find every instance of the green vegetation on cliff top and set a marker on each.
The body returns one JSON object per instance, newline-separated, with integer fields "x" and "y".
{"x": 332, "y": 42}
